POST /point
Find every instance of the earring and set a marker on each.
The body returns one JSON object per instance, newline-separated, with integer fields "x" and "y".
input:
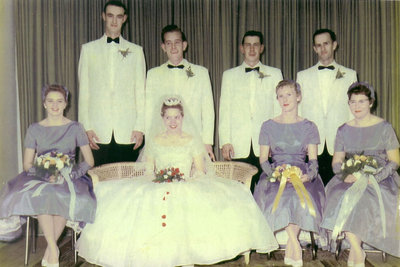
{"x": 370, "y": 106}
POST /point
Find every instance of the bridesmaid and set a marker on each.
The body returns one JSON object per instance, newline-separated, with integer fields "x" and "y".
{"x": 54, "y": 197}
{"x": 366, "y": 135}
{"x": 290, "y": 139}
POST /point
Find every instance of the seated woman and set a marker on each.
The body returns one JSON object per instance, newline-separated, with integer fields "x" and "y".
{"x": 353, "y": 196}
{"x": 50, "y": 187}
{"x": 161, "y": 220}
{"x": 290, "y": 139}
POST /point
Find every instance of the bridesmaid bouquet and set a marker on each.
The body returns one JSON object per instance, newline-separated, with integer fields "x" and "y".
{"x": 48, "y": 166}
{"x": 285, "y": 171}
{"x": 168, "y": 175}
{"x": 363, "y": 168}
{"x": 359, "y": 163}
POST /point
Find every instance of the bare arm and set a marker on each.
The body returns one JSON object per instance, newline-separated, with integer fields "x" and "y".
{"x": 87, "y": 155}
{"x": 29, "y": 155}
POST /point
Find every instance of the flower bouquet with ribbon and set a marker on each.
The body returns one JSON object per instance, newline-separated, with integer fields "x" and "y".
{"x": 168, "y": 175}
{"x": 363, "y": 168}
{"x": 49, "y": 165}
{"x": 284, "y": 172}
{"x": 357, "y": 163}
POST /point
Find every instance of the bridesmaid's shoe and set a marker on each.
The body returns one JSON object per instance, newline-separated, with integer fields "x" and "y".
{"x": 298, "y": 263}
{"x": 44, "y": 262}
{"x": 350, "y": 263}
{"x": 287, "y": 261}
{"x": 363, "y": 263}
{"x": 53, "y": 264}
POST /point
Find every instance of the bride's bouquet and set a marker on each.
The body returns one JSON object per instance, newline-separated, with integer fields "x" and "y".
{"x": 359, "y": 163}
{"x": 169, "y": 175}
{"x": 284, "y": 172}
{"x": 49, "y": 165}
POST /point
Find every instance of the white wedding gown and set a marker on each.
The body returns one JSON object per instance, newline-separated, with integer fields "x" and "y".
{"x": 202, "y": 220}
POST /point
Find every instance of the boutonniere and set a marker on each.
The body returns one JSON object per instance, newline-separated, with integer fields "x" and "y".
{"x": 262, "y": 75}
{"x": 189, "y": 72}
{"x": 340, "y": 74}
{"x": 125, "y": 52}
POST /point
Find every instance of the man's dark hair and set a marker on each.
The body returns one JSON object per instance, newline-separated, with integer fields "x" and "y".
{"x": 254, "y": 33}
{"x": 172, "y": 28}
{"x": 321, "y": 31}
{"x": 114, "y": 3}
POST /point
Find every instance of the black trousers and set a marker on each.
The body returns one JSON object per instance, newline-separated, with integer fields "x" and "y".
{"x": 325, "y": 165}
{"x": 255, "y": 161}
{"x": 113, "y": 152}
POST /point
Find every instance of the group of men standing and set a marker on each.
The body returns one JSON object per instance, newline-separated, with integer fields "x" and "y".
{"x": 116, "y": 100}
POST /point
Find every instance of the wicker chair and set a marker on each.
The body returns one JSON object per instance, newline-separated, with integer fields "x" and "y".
{"x": 239, "y": 171}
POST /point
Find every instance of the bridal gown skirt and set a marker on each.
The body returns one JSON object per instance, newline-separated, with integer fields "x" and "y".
{"x": 198, "y": 221}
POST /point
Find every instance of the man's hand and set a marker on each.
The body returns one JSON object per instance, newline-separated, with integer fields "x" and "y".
{"x": 227, "y": 151}
{"x": 210, "y": 152}
{"x": 93, "y": 139}
{"x": 137, "y": 137}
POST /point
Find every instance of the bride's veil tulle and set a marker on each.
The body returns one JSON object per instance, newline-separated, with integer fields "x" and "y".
{"x": 157, "y": 127}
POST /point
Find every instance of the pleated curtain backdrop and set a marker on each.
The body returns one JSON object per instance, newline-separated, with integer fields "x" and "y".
{"x": 50, "y": 33}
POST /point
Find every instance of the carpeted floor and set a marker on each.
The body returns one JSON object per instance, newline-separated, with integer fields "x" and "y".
{"x": 324, "y": 259}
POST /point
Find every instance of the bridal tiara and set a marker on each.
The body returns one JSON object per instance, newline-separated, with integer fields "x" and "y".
{"x": 172, "y": 101}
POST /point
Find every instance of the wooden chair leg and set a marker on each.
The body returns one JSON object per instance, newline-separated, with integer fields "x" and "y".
{"x": 74, "y": 248}
{"x": 314, "y": 247}
{"x": 338, "y": 248}
{"x": 27, "y": 240}
{"x": 33, "y": 231}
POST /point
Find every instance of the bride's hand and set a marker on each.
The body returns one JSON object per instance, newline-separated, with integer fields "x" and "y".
{"x": 350, "y": 179}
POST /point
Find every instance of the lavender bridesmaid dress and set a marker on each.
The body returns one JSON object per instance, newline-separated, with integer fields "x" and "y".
{"x": 365, "y": 219}
{"x": 28, "y": 194}
{"x": 288, "y": 144}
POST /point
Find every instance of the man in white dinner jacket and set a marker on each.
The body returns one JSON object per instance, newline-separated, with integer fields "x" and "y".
{"x": 248, "y": 99}
{"x": 180, "y": 77}
{"x": 324, "y": 89}
{"x": 111, "y": 91}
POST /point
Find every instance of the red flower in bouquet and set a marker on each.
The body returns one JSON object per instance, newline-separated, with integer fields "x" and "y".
{"x": 169, "y": 175}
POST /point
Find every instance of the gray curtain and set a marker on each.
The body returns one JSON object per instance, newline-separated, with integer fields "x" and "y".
{"x": 49, "y": 35}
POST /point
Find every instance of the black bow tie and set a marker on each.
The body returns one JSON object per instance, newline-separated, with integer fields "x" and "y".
{"x": 115, "y": 40}
{"x": 251, "y": 69}
{"x": 175, "y": 67}
{"x": 330, "y": 67}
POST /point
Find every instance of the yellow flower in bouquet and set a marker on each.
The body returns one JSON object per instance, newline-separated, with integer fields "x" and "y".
{"x": 357, "y": 163}
{"x": 48, "y": 166}
{"x": 286, "y": 172}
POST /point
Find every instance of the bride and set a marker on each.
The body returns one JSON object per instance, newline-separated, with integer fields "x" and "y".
{"x": 201, "y": 219}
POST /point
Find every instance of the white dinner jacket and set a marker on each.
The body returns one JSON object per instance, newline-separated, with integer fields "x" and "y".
{"x": 338, "y": 111}
{"x": 111, "y": 89}
{"x": 238, "y": 125}
{"x": 193, "y": 84}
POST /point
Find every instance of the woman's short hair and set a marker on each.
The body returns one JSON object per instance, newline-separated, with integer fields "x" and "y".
{"x": 287, "y": 82}
{"x": 55, "y": 88}
{"x": 362, "y": 88}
